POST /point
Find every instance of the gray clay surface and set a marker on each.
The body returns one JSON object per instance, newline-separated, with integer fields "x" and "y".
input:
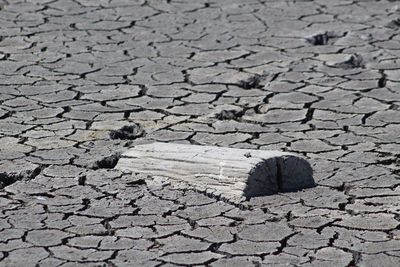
{"x": 81, "y": 81}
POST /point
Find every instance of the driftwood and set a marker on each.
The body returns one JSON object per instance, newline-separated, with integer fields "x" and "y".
{"x": 219, "y": 170}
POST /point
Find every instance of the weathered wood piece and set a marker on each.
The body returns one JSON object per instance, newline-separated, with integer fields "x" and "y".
{"x": 219, "y": 170}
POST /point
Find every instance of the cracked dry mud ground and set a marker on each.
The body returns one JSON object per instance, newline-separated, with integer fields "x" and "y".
{"x": 81, "y": 80}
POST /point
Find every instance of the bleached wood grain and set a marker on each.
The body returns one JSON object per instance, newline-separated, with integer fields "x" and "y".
{"x": 229, "y": 172}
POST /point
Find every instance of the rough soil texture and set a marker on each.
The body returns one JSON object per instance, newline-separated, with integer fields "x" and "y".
{"x": 83, "y": 80}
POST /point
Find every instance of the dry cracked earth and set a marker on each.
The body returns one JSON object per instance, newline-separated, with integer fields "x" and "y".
{"x": 83, "y": 80}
